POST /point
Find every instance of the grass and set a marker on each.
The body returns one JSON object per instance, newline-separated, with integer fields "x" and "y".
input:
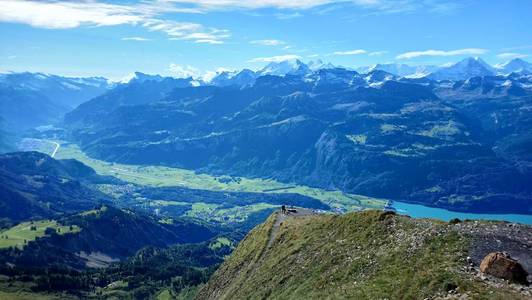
{"x": 214, "y": 212}
{"x": 442, "y": 130}
{"x": 358, "y": 139}
{"x": 365, "y": 255}
{"x": 165, "y": 176}
{"x": 164, "y": 295}
{"x": 220, "y": 242}
{"x": 23, "y": 233}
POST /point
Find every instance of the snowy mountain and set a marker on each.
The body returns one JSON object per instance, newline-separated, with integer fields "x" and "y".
{"x": 237, "y": 78}
{"x": 516, "y": 65}
{"x": 376, "y": 78}
{"x": 467, "y": 68}
{"x": 140, "y": 77}
{"x": 316, "y": 65}
{"x": 401, "y": 70}
{"x": 287, "y": 67}
{"x": 68, "y": 92}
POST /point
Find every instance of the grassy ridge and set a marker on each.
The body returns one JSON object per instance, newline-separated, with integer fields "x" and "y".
{"x": 365, "y": 255}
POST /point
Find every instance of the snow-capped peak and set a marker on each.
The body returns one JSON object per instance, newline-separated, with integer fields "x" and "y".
{"x": 316, "y": 65}
{"x": 140, "y": 77}
{"x": 286, "y": 67}
{"x": 464, "y": 69}
{"x": 515, "y": 65}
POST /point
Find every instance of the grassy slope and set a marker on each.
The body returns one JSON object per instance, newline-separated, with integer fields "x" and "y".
{"x": 21, "y": 234}
{"x": 367, "y": 255}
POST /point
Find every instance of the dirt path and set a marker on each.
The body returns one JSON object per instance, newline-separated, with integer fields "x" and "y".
{"x": 280, "y": 218}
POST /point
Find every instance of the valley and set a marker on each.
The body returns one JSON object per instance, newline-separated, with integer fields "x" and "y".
{"x": 159, "y": 176}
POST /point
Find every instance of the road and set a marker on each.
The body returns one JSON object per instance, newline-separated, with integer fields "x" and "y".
{"x": 56, "y": 148}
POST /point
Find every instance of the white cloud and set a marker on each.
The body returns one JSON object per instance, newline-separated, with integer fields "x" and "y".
{"x": 522, "y": 47}
{"x": 278, "y": 58}
{"x": 188, "y": 31}
{"x": 377, "y": 53}
{"x": 252, "y": 4}
{"x": 68, "y": 14}
{"x": 467, "y": 51}
{"x": 350, "y": 52}
{"x": 285, "y": 16}
{"x": 135, "y": 38}
{"x": 382, "y": 6}
{"x": 209, "y": 75}
{"x": 511, "y": 55}
{"x": 268, "y": 42}
{"x": 184, "y": 71}
{"x": 61, "y": 15}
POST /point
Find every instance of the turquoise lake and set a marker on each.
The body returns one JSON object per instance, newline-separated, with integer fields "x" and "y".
{"x": 420, "y": 211}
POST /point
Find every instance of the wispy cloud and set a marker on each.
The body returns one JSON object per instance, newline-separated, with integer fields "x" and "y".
{"x": 61, "y": 15}
{"x": 466, "y": 51}
{"x": 135, "y": 38}
{"x": 68, "y": 14}
{"x": 188, "y": 31}
{"x": 251, "y": 4}
{"x": 381, "y": 6}
{"x": 522, "y": 47}
{"x": 288, "y": 16}
{"x": 377, "y": 53}
{"x": 268, "y": 42}
{"x": 278, "y": 58}
{"x": 350, "y": 52}
{"x": 511, "y": 55}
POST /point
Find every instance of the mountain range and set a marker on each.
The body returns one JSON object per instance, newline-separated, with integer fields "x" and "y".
{"x": 448, "y": 139}
{"x": 446, "y": 143}
{"x": 29, "y": 100}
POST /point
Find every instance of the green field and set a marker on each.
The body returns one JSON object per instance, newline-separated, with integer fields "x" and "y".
{"x": 220, "y": 242}
{"x": 167, "y": 176}
{"x": 213, "y": 212}
{"x": 21, "y": 234}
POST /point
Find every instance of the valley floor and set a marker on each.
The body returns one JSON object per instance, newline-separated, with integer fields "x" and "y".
{"x": 159, "y": 176}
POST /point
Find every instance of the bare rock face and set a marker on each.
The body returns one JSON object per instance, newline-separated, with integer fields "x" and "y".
{"x": 503, "y": 266}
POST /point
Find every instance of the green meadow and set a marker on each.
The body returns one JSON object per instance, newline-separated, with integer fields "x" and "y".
{"x": 21, "y": 234}
{"x": 160, "y": 176}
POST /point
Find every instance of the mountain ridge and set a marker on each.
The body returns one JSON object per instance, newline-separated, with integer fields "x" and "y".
{"x": 364, "y": 255}
{"x": 360, "y": 133}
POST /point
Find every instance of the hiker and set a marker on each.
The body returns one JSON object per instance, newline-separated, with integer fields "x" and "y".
{"x": 283, "y": 209}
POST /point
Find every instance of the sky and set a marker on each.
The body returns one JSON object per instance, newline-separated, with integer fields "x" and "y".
{"x": 113, "y": 38}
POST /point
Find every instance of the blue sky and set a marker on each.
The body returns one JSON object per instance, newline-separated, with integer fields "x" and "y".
{"x": 194, "y": 37}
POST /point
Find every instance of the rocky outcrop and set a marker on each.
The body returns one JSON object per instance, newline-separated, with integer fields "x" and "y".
{"x": 503, "y": 266}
